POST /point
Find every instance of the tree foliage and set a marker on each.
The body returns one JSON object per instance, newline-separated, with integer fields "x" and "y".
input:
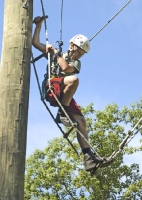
{"x": 57, "y": 173}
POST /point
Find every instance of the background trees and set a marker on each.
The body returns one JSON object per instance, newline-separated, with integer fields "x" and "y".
{"x": 57, "y": 173}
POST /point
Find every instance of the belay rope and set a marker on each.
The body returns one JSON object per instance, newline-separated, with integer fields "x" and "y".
{"x": 130, "y": 133}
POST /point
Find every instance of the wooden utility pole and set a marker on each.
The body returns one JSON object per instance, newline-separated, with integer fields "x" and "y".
{"x": 14, "y": 96}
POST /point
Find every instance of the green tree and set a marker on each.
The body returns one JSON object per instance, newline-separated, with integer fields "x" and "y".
{"x": 56, "y": 173}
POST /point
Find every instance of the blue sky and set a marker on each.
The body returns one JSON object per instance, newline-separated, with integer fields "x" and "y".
{"x": 111, "y": 71}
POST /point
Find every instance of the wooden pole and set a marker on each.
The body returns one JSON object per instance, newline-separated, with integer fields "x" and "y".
{"x": 14, "y": 96}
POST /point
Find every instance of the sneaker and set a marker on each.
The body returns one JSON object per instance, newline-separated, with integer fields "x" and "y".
{"x": 91, "y": 161}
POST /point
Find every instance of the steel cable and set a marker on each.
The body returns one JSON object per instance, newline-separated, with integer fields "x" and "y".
{"x": 110, "y": 20}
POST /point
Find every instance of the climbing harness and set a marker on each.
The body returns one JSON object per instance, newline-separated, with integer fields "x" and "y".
{"x": 73, "y": 125}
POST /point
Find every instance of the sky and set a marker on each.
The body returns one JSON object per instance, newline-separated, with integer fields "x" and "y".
{"x": 111, "y": 71}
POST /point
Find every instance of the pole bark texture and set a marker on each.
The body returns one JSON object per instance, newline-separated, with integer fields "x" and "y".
{"x": 14, "y": 96}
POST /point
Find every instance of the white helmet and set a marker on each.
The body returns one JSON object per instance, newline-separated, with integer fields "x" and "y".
{"x": 81, "y": 41}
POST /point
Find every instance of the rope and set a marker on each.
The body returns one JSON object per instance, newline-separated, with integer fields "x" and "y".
{"x": 110, "y": 20}
{"x": 61, "y": 20}
{"x": 49, "y": 66}
{"x": 130, "y": 135}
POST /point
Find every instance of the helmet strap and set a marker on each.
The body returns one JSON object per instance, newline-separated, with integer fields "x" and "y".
{"x": 73, "y": 47}
{"x": 70, "y": 52}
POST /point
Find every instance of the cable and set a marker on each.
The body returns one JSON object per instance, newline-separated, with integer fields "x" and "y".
{"x": 110, "y": 20}
{"x": 61, "y": 20}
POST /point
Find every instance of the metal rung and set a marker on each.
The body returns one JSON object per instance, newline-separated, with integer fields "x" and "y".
{"x": 67, "y": 134}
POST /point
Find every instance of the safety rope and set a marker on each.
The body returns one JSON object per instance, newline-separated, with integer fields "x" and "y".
{"x": 110, "y": 20}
